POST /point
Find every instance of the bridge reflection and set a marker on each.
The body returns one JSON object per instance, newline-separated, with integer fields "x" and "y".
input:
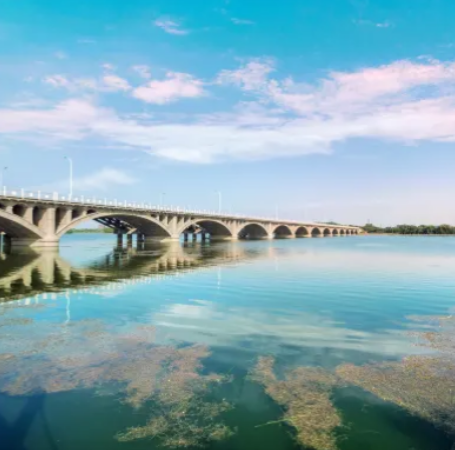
{"x": 30, "y": 276}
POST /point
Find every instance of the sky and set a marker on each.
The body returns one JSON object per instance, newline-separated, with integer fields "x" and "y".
{"x": 336, "y": 110}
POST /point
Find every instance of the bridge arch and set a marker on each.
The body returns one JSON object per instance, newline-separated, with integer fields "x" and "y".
{"x": 316, "y": 232}
{"x": 16, "y": 227}
{"x": 253, "y": 230}
{"x": 302, "y": 232}
{"x": 335, "y": 232}
{"x": 144, "y": 224}
{"x": 327, "y": 232}
{"x": 282, "y": 232}
{"x": 215, "y": 228}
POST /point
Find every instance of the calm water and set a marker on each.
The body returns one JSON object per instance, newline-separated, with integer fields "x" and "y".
{"x": 94, "y": 340}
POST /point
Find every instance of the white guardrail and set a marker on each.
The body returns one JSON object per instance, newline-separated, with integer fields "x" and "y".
{"x": 23, "y": 194}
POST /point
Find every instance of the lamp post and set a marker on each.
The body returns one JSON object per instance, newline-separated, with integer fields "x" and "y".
{"x": 70, "y": 161}
{"x": 219, "y": 201}
{"x": 2, "y": 176}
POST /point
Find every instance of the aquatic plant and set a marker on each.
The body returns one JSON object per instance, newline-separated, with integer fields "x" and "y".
{"x": 183, "y": 423}
{"x": 88, "y": 354}
{"x": 421, "y": 384}
{"x": 305, "y": 395}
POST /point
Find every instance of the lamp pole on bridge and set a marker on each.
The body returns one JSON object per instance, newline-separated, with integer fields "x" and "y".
{"x": 70, "y": 196}
{"x": 2, "y": 176}
{"x": 219, "y": 201}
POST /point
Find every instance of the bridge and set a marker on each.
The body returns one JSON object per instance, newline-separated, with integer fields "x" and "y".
{"x": 37, "y": 220}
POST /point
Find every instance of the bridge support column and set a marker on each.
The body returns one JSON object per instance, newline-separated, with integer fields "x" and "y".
{"x": 194, "y": 237}
{"x": 5, "y": 243}
{"x": 129, "y": 240}
{"x": 119, "y": 239}
{"x": 185, "y": 237}
{"x": 47, "y": 226}
{"x": 204, "y": 237}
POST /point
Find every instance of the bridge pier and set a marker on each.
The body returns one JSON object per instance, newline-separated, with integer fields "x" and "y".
{"x": 119, "y": 240}
{"x": 5, "y": 243}
{"x": 129, "y": 240}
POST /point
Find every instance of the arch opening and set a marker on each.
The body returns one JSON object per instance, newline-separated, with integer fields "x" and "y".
{"x": 302, "y": 232}
{"x": 316, "y": 232}
{"x": 37, "y": 215}
{"x": 253, "y": 231}
{"x": 282, "y": 232}
{"x": 342, "y": 232}
{"x": 122, "y": 223}
{"x": 76, "y": 213}
{"x": 335, "y": 232}
{"x": 16, "y": 227}
{"x": 59, "y": 216}
{"x": 327, "y": 232}
{"x": 206, "y": 229}
{"x": 19, "y": 210}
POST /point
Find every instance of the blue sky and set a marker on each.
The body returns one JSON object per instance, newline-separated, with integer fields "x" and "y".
{"x": 335, "y": 110}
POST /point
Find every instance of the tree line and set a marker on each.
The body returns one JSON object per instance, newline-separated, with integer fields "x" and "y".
{"x": 411, "y": 229}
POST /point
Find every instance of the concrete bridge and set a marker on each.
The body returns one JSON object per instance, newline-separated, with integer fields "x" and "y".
{"x": 40, "y": 222}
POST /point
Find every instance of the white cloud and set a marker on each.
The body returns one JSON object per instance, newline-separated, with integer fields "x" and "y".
{"x": 170, "y": 26}
{"x": 143, "y": 71}
{"x": 57, "y": 81}
{"x": 175, "y": 86}
{"x": 115, "y": 83}
{"x": 103, "y": 180}
{"x": 108, "y": 83}
{"x": 404, "y": 101}
{"x": 250, "y": 77}
{"x": 237, "y": 21}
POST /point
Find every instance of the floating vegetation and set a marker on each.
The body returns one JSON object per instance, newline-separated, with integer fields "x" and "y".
{"x": 89, "y": 355}
{"x": 191, "y": 422}
{"x": 305, "y": 395}
{"x": 424, "y": 385}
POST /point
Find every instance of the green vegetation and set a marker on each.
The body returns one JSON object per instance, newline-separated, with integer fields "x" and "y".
{"x": 423, "y": 385}
{"x": 91, "y": 230}
{"x": 304, "y": 393}
{"x": 165, "y": 379}
{"x": 411, "y": 229}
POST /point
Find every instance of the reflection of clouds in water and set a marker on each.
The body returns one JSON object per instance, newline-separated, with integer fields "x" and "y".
{"x": 213, "y": 324}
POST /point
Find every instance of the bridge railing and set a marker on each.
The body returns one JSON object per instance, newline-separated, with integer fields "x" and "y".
{"x": 84, "y": 200}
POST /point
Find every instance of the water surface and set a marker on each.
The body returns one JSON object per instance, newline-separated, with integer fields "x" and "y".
{"x": 90, "y": 335}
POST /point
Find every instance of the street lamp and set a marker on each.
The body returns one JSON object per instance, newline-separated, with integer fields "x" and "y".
{"x": 219, "y": 201}
{"x": 70, "y": 161}
{"x": 2, "y": 176}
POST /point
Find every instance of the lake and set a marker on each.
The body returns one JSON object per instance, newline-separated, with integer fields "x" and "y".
{"x": 268, "y": 345}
